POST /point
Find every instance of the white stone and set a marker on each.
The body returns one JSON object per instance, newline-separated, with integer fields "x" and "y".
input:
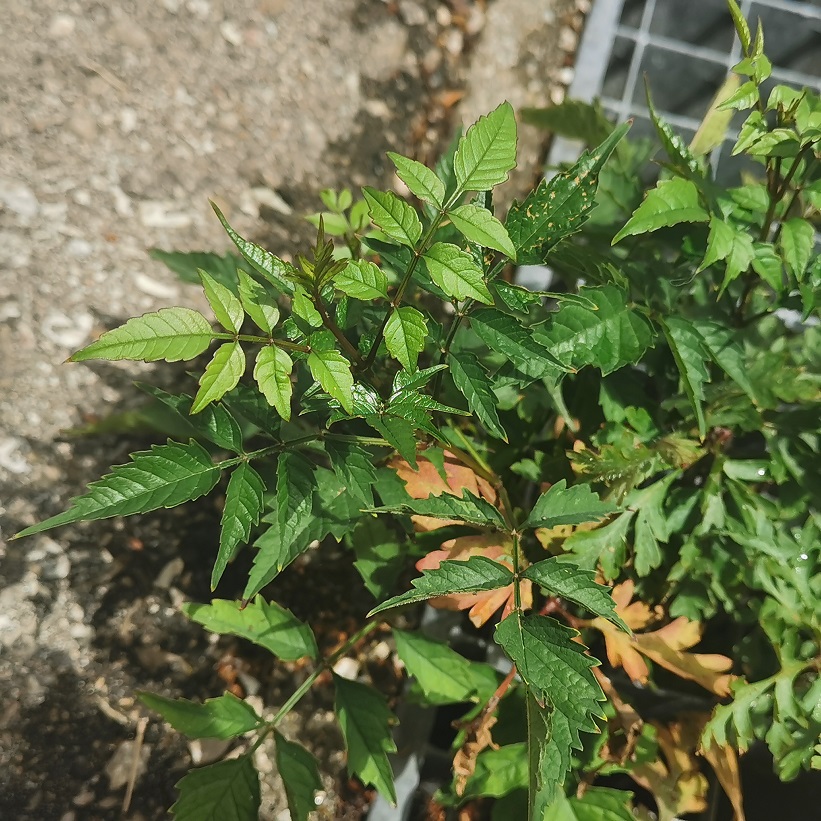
{"x": 19, "y": 198}
{"x": 62, "y": 25}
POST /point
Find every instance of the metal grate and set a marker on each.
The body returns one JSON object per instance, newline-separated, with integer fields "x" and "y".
{"x": 685, "y": 49}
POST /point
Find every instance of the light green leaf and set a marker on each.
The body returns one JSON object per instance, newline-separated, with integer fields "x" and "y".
{"x": 444, "y": 676}
{"x": 745, "y": 96}
{"x": 223, "y": 717}
{"x": 394, "y": 216}
{"x": 671, "y": 202}
{"x": 574, "y": 584}
{"x": 272, "y": 372}
{"x": 688, "y": 351}
{"x": 333, "y": 372}
{"x": 467, "y": 508}
{"x": 499, "y": 772}
{"x": 405, "y": 335}
{"x": 487, "y": 151}
{"x": 568, "y": 506}
{"x": 243, "y": 507}
{"x": 767, "y": 264}
{"x": 420, "y": 179}
{"x": 261, "y": 622}
{"x": 796, "y": 242}
{"x": 221, "y": 375}
{"x": 741, "y": 26}
{"x": 474, "y": 384}
{"x": 730, "y": 243}
{"x": 226, "y": 307}
{"x": 171, "y": 334}
{"x": 366, "y": 726}
{"x": 476, "y": 575}
{"x": 502, "y": 333}
{"x": 272, "y": 268}
{"x": 480, "y": 226}
{"x": 165, "y": 476}
{"x": 456, "y": 273}
{"x": 300, "y": 777}
{"x": 362, "y": 280}
{"x": 258, "y": 303}
{"x": 555, "y": 668}
{"x": 225, "y": 791}
{"x": 303, "y": 308}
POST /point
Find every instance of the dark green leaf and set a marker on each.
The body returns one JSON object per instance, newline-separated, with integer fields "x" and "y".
{"x": 574, "y": 584}
{"x": 380, "y": 556}
{"x": 243, "y": 507}
{"x": 225, "y": 791}
{"x": 366, "y": 726}
{"x": 186, "y": 264}
{"x": 606, "y": 545}
{"x": 223, "y": 717}
{"x": 476, "y": 575}
{"x": 568, "y": 506}
{"x": 272, "y": 269}
{"x": 398, "y": 433}
{"x": 574, "y": 119}
{"x": 469, "y": 508}
{"x": 471, "y": 379}
{"x": 354, "y": 467}
{"x": 677, "y": 150}
{"x": 165, "y": 476}
{"x": 688, "y": 350}
{"x": 300, "y": 777}
{"x": 597, "y": 804}
{"x": 171, "y": 334}
{"x": 263, "y": 623}
{"x": 499, "y": 772}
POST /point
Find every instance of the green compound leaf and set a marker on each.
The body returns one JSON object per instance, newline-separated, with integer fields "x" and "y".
{"x": 677, "y": 150}
{"x": 165, "y": 476}
{"x": 270, "y": 267}
{"x": 568, "y": 506}
{"x": 243, "y": 507}
{"x": 487, "y": 151}
{"x": 362, "y": 280}
{"x": 606, "y": 333}
{"x": 558, "y": 207}
{"x": 333, "y": 372}
{"x": 671, "y": 202}
{"x": 556, "y": 669}
{"x": 225, "y": 791}
{"x": 574, "y": 584}
{"x": 796, "y": 242}
{"x": 222, "y": 717}
{"x": 171, "y": 334}
{"x": 688, "y": 350}
{"x": 366, "y": 726}
{"x": 263, "y": 623}
{"x": 731, "y": 244}
{"x": 502, "y": 333}
{"x": 221, "y": 375}
{"x": 394, "y": 216}
{"x": 470, "y": 378}
{"x": 405, "y": 335}
{"x": 258, "y": 303}
{"x": 226, "y": 307}
{"x": 476, "y": 575}
{"x": 444, "y": 676}
{"x": 456, "y": 273}
{"x": 469, "y": 508}
{"x": 300, "y": 776}
{"x": 215, "y": 422}
{"x": 421, "y": 181}
{"x": 479, "y": 225}
{"x": 272, "y": 372}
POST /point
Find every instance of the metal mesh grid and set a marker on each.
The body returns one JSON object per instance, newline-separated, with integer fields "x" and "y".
{"x": 685, "y": 49}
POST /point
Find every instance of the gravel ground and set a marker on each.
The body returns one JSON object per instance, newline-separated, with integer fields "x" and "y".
{"x": 117, "y": 123}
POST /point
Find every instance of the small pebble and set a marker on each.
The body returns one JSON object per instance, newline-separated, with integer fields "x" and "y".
{"x": 62, "y": 25}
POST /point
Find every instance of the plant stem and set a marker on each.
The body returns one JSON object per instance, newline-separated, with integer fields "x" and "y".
{"x": 517, "y": 593}
{"x": 335, "y": 330}
{"x": 262, "y": 340}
